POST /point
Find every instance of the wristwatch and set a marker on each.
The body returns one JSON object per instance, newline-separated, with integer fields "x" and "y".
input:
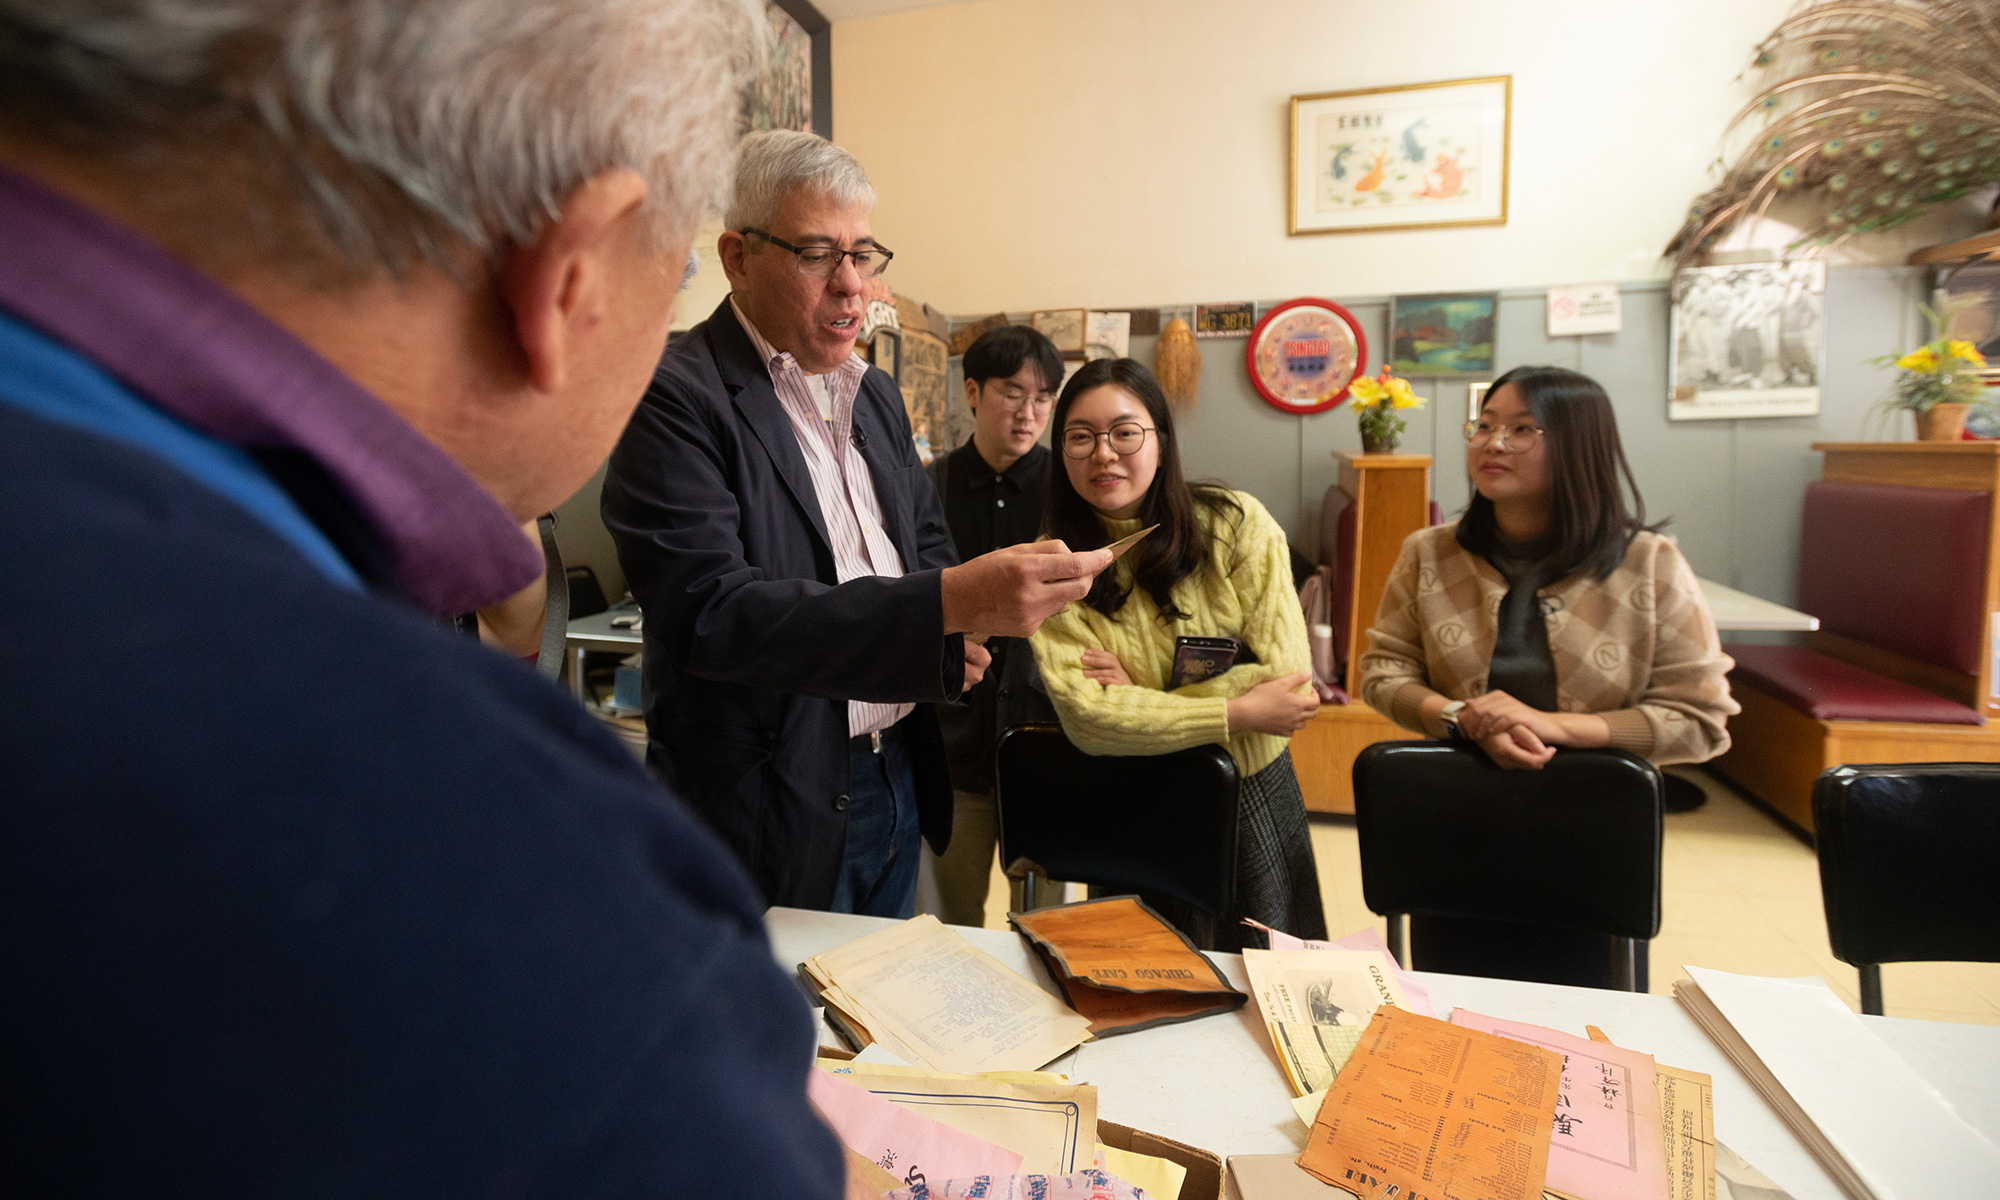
{"x": 1450, "y": 718}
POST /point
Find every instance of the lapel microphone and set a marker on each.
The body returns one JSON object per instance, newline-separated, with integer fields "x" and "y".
{"x": 860, "y": 438}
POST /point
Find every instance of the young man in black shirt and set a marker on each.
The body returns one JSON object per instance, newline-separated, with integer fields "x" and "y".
{"x": 992, "y": 489}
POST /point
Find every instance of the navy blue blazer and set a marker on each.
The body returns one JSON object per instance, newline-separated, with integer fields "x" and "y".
{"x": 753, "y": 647}
{"x": 307, "y": 896}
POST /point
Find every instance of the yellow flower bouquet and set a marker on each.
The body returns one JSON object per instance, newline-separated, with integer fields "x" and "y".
{"x": 1376, "y": 402}
{"x": 1942, "y": 371}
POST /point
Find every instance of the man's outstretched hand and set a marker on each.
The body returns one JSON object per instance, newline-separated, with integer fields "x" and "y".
{"x": 1011, "y": 591}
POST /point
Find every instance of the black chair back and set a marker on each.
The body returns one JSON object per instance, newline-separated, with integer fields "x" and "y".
{"x": 1574, "y": 846}
{"x": 1909, "y": 865}
{"x": 1163, "y": 825}
{"x": 586, "y": 597}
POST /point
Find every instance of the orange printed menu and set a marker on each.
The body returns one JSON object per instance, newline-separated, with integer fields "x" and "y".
{"x": 1442, "y": 1112}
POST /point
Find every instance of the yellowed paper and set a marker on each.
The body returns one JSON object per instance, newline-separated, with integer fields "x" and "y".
{"x": 1299, "y": 990}
{"x": 1307, "y": 1107}
{"x": 1687, "y": 1115}
{"x": 1439, "y": 1110}
{"x": 1159, "y": 1178}
{"x": 843, "y": 1066}
{"x": 1053, "y": 1127}
{"x": 1321, "y": 987}
{"x": 932, "y": 998}
{"x": 878, "y": 1180}
{"x": 1312, "y": 1055}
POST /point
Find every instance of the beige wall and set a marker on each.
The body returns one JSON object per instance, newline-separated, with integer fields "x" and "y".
{"x": 1048, "y": 153}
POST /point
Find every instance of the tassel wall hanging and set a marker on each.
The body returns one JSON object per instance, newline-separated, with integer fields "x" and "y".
{"x": 1177, "y": 363}
{"x": 1874, "y": 111}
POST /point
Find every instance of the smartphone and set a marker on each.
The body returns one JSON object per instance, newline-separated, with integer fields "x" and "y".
{"x": 1199, "y": 658}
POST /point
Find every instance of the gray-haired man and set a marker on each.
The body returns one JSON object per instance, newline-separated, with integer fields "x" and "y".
{"x": 304, "y": 306}
{"x": 800, "y": 590}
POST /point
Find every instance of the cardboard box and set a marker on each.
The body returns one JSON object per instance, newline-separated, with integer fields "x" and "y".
{"x": 1204, "y": 1169}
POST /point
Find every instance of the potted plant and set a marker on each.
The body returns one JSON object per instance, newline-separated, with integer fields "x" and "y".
{"x": 1939, "y": 382}
{"x": 1376, "y": 402}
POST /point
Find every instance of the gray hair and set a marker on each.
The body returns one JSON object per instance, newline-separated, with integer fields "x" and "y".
{"x": 777, "y": 163}
{"x": 391, "y": 131}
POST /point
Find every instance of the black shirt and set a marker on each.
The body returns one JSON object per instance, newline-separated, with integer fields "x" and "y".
{"x": 1523, "y": 666}
{"x": 987, "y": 510}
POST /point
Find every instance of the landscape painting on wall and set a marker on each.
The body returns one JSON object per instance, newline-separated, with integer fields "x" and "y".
{"x": 1424, "y": 154}
{"x": 1442, "y": 336}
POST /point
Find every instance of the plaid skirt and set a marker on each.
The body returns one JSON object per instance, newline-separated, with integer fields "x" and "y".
{"x": 1276, "y": 880}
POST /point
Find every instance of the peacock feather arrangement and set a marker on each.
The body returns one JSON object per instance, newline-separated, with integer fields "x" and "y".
{"x": 1872, "y": 111}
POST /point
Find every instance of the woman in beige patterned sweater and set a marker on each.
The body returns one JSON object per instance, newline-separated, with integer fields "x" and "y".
{"x": 1550, "y": 615}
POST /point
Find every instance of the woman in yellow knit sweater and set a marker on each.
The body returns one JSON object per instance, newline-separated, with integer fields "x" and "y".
{"x": 1218, "y": 566}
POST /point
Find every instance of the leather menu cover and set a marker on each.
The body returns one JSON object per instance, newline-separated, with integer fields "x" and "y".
{"x": 1123, "y": 967}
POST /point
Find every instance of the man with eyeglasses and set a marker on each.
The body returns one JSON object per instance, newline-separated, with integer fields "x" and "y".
{"x": 992, "y": 488}
{"x": 802, "y": 600}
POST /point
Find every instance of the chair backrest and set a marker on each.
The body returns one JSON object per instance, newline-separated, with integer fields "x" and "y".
{"x": 1899, "y": 568}
{"x": 1164, "y": 825}
{"x": 1575, "y": 845}
{"x": 586, "y": 598}
{"x": 1909, "y": 861}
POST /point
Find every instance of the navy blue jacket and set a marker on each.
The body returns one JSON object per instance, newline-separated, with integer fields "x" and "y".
{"x": 303, "y": 895}
{"x": 752, "y": 652}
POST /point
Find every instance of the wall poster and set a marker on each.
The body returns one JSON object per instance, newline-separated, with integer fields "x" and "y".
{"x": 1746, "y": 341}
{"x": 1423, "y": 155}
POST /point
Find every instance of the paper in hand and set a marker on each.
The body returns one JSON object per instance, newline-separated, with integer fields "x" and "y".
{"x": 1119, "y": 547}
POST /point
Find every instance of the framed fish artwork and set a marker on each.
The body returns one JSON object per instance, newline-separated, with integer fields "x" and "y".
{"x": 1304, "y": 353}
{"x": 1418, "y": 156}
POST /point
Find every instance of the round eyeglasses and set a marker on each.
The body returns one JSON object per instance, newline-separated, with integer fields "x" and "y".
{"x": 824, "y": 261}
{"x": 1125, "y": 438}
{"x": 1013, "y": 399}
{"x": 1521, "y": 436}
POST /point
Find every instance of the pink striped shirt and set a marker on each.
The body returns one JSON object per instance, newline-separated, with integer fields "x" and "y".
{"x": 846, "y": 491}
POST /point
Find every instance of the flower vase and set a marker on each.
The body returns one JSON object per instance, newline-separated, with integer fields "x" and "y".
{"x": 1385, "y": 443}
{"x": 1942, "y": 422}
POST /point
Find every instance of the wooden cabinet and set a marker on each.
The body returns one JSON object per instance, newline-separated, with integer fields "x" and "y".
{"x": 1391, "y": 498}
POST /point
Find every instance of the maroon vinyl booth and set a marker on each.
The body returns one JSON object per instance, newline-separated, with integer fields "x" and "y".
{"x": 1897, "y": 577}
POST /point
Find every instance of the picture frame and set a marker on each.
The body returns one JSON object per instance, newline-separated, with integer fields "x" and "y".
{"x": 1746, "y": 340}
{"x": 1304, "y": 353}
{"x": 1063, "y": 326}
{"x": 1444, "y": 335}
{"x": 1414, "y": 156}
{"x": 1475, "y": 398}
{"x": 796, "y": 91}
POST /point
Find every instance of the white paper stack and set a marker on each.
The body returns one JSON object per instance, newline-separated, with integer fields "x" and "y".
{"x": 1877, "y": 1127}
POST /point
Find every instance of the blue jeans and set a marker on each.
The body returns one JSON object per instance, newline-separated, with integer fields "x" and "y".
{"x": 878, "y": 869}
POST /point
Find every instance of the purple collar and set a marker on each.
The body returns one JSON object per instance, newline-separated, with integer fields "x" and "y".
{"x": 196, "y": 351}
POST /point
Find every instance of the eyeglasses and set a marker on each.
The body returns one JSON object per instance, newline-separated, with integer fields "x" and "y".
{"x": 1013, "y": 399}
{"x": 824, "y": 261}
{"x": 1125, "y": 438}
{"x": 1522, "y": 437}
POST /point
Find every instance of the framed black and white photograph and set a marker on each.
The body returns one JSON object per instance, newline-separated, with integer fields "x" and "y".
{"x": 1746, "y": 341}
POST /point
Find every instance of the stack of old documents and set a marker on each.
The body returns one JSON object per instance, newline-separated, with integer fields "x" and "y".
{"x": 932, "y": 999}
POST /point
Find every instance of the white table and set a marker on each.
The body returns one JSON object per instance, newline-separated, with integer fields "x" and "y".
{"x": 1734, "y": 610}
{"x": 1214, "y": 1083}
{"x": 595, "y": 632}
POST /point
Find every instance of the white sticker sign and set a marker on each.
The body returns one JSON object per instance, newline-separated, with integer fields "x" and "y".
{"x": 1585, "y": 308}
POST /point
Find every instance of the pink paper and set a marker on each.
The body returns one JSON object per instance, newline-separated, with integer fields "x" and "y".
{"x": 1081, "y": 1185}
{"x": 1608, "y": 1142}
{"x": 1366, "y": 938}
{"x": 908, "y": 1145}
